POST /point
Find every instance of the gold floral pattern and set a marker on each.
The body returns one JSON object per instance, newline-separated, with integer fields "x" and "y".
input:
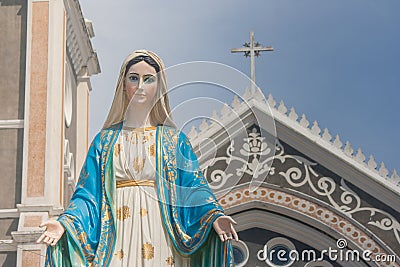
{"x": 132, "y": 138}
{"x": 84, "y": 175}
{"x": 106, "y": 213}
{"x": 82, "y": 237}
{"x": 152, "y": 150}
{"x": 147, "y": 251}
{"x": 170, "y": 261}
{"x": 143, "y": 212}
{"x": 120, "y": 254}
{"x": 117, "y": 149}
{"x": 138, "y": 164}
{"x": 123, "y": 213}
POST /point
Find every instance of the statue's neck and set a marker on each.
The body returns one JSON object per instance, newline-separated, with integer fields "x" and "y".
{"x": 137, "y": 116}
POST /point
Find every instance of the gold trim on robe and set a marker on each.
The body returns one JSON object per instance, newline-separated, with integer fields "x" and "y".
{"x": 125, "y": 183}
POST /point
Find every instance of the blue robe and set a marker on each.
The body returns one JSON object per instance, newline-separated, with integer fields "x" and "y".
{"x": 188, "y": 206}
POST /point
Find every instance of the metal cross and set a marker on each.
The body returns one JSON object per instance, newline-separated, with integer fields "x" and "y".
{"x": 252, "y": 49}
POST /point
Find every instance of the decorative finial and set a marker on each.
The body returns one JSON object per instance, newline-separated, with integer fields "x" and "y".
{"x": 360, "y": 157}
{"x": 271, "y": 101}
{"x": 214, "y": 117}
{"x": 193, "y": 133}
{"x": 348, "y": 150}
{"x": 371, "y": 163}
{"x": 383, "y": 171}
{"x": 315, "y": 128}
{"x": 247, "y": 94}
{"x": 292, "y": 114}
{"x": 326, "y": 135}
{"x": 236, "y": 102}
{"x": 203, "y": 126}
{"x": 226, "y": 110}
{"x": 337, "y": 143}
{"x": 282, "y": 109}
{"x": 303, "y": 121}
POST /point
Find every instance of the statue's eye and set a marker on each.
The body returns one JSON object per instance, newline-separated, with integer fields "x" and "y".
{"x": 149, "y": 79}
{"x": 133, "y": 78}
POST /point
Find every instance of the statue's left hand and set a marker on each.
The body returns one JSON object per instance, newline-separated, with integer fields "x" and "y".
{"x": 224, "y": 227}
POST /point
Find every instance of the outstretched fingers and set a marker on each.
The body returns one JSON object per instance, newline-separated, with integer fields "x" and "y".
{"x": 225, "y": 237}
{"x": 52, "y": 233}
{"x": 224, "y": 228}
{"x": 47, "y": 239}
{"x": 41, "y": 238}
{"x": 235, "y": 235}
{"x": 55, "y": 241}
{"x": 221, "y": 236}
{"x": 232, "y": 220}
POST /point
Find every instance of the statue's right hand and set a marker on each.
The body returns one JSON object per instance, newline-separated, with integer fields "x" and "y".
{"x": 53, "y": 232}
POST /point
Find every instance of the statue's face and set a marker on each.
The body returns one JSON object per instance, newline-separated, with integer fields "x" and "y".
{"x": 141, "y": 84}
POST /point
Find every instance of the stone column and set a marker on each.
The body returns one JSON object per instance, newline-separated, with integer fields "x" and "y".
{"x": 42, "y": 174}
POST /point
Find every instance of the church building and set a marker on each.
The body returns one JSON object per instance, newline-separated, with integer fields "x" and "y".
{"x": 300, "y": 196}
{"x": 46, "y": 60}
{"x": 297, "y": 192}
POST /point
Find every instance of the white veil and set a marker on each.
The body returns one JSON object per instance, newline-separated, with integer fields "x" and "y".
{"x": 160, "y": 113}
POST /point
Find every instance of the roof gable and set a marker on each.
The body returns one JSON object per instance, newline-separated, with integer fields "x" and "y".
{"x": 310, "y": 141}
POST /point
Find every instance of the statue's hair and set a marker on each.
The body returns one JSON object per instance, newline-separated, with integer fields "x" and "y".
{"x": 146, "y": 59}
{"x": 160, "y": 113}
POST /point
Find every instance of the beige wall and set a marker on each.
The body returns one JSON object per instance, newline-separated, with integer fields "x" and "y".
{"x": 12, "y": 55}
{"x": 12, "y": 78}
{"x": 34, "y": 165}
{"x": 38, "y": 99}
{"x": 13, "y": 17}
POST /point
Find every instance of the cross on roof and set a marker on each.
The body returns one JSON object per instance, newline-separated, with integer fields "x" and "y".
{"x": 252, "y": 49}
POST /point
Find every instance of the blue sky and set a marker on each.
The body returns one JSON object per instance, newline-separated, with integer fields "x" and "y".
{"x": 338, "y": 62}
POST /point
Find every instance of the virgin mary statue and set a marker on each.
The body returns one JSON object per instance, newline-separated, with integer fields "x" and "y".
{"x": 141, "y": 199}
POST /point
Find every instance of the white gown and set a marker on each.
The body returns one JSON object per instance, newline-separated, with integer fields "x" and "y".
{"x": 141, "y": 237}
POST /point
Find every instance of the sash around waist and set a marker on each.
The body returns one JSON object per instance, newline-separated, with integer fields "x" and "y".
{"x": 125, "y": 183}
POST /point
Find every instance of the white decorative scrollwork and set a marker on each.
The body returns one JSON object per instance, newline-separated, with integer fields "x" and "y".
{"x": 219, "y": 177}
{"x": 253, "y": 148}
{"x": 69, "y": 166}
{"x": 342, "y": 198}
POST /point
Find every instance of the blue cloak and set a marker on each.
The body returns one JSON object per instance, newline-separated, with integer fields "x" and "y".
{"x": 188, "y": 206}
